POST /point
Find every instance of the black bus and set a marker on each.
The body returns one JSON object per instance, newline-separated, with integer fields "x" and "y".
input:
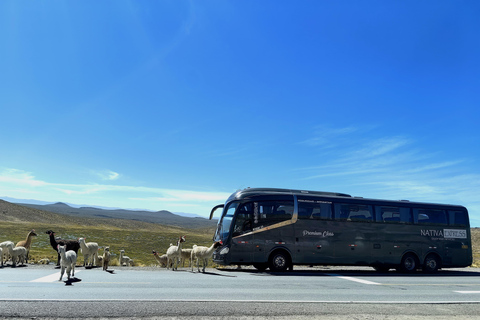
{"x": 279, "y": 228}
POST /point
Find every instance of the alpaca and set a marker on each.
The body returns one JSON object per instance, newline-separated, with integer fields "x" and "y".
{"x": 71, "y": 244}
{"x": 125, "y": 259}
{"x": 106, "y": 258}
{"x": 174, "y": 254}
{"x": 27, "y": 242}
{"x": 203, "y": 253}
{"x": 89, "y": 251}
{"x": 68, "y": 261}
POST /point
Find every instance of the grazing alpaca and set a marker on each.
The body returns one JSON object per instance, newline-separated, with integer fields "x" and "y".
{"x": 71, "y": 244}
{"x": 174, "y": 254}
{"x": 68, "y": 261}
{"x": 27, "y": 242}
{"x": 162, "y": 260}
{"x": 203, "y": 253}
{"x": 125, "y": 259}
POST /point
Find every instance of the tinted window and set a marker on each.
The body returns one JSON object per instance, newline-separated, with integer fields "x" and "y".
{"x": 314, "y": 209}
{"x": 266, "y": 213}
{"x": 430, "y": 216}
{"x": 458, "y": 218}
{"x": 353, "y": 212}
{"x": 393, "y": 214}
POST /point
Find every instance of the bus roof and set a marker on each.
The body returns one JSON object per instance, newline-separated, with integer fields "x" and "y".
{"x": 251, "y": 192}
{"x": 264, "y": 191}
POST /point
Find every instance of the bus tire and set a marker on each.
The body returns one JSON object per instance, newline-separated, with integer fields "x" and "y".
{"x": 431, "y": 264}
{"x": 409, "y": 263}
{"x": 279, "y": 261}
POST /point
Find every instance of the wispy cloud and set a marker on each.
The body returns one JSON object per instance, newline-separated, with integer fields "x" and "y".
{"x": 395, "y": 167}
{"x": 107, "y": 175}
{"x": 17, "y": 183}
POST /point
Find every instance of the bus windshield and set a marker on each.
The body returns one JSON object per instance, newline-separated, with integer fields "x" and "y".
{"x": 224, "y": 224}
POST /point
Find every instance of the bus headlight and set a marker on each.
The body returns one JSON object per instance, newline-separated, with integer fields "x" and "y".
{"x": 224, "y": 251}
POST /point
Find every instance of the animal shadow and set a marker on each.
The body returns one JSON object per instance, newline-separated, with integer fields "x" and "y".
{"x": 72, "y": 280}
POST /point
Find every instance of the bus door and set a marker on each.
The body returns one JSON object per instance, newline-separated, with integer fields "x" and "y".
{"x": 273, "y": 227}
{"x": 355, "y": 233}
{"x": 313, "y": 233}
{"x": 242, "y": 237}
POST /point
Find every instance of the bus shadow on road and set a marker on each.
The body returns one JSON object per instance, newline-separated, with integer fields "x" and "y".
{"x": 214, "y": 274}
{"x": 363, "y": 273}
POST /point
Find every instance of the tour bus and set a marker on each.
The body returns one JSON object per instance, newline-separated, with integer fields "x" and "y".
{"x": 280, "y": 228}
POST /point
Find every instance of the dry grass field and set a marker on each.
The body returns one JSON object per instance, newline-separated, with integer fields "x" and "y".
{"x": 138, "y": 239}
{"x": 476, "y": 247}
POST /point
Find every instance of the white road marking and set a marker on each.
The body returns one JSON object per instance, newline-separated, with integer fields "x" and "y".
{"x": 353, "y": 279}
{"x": 53, "y": 277}
{"x": 467, "y": 292}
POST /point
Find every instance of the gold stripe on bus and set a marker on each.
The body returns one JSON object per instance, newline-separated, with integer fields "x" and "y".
{"x": 273, "y": 226}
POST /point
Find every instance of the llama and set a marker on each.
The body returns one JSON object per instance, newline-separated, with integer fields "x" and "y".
{"x": 71, "y": 244}
{"x": 174, "y": 254}
{"x": 6, "y": 252}
{"x": 89, "y": 251}
{"x": 162, "y": 260}
{"x": 68, "y": 260}
{"x": 18, "y": 254}
{"x": 27, "y": 242}
{"x": 186, "y": 254}
{"x": 106, "y": 258}
{"x": 203, "y": 253}
{"x": 125, "y": 260}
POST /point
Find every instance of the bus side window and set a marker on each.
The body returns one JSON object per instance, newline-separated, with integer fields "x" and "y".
{"x": 430, "y": 216}
{"x": 458, "y": 218}
{"x": 353, "y": 212}
{"x": 271, "y": 212}
{"x": 393, "y": 214}
{"x": 316, "y": 211}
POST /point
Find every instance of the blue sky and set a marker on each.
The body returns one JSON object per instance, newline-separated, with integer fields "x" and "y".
{"x": 174, "y": 105}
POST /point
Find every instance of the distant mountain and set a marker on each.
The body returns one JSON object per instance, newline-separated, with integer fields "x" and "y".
{"x": 38, "y": 202}
{"x": 161, "y": 217}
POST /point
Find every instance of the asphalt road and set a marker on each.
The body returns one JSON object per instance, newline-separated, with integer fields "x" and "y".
{"x": 325, "y": 293}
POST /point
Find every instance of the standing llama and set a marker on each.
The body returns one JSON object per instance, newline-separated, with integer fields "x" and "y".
{"x": 27, "y": 242}
{"x": 174, "y": 253}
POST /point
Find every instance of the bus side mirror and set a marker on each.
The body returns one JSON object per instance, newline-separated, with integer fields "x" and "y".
{"x": 214, "y": 209}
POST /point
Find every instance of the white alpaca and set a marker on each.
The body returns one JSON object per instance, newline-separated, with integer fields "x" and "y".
{"x": 125, "y": 259}
{"x": 174, "y": 254}
{"x": 18, "y": 254}
{"x": 67, "y": 260}
{"x": 186, "y": 254}
{"x": 6, "y": 252}
{"x": 203, "y": 253}
{"x": 89, "y": 251}
{"x": 161, "y": 259}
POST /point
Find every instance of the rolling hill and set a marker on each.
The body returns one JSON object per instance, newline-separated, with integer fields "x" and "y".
{"x": 159, "y": 217}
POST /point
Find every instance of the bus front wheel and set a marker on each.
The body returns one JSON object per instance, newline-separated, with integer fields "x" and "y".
{"x": 409, "y": 263}
{"x": 431, "y": 264}
{"x": 279, "y": 261}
